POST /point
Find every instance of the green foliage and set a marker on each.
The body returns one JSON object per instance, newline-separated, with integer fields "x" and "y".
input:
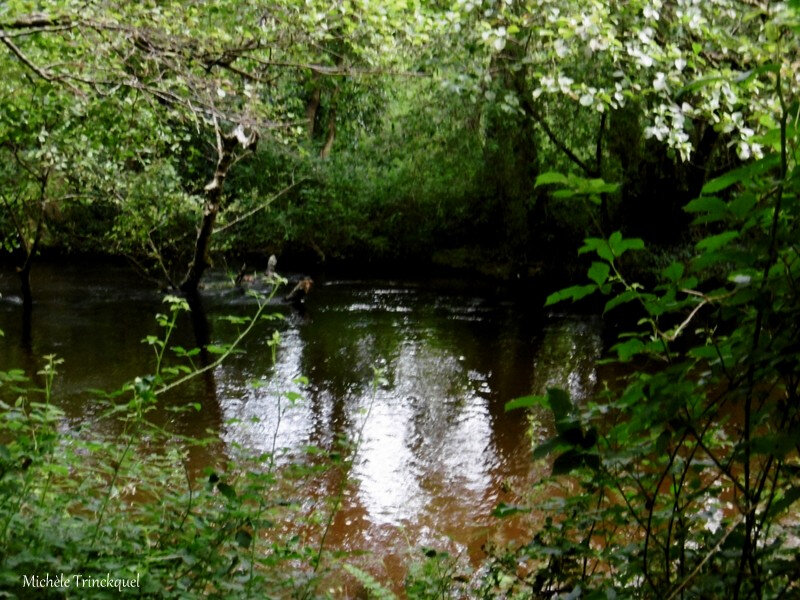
{"x": 470, "y": 134}
{"x": 406, "y": 183}
{"x": 436, "y": 575}
{"x": 89, "y": 503}
{"x": 685, "y": 473}
{"x": 373, "y": 588}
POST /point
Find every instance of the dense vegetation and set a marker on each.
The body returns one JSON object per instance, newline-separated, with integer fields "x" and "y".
{"x": 653, "y": 143}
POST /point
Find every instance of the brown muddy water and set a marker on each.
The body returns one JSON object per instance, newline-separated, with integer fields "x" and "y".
{"x": 439, "y": 451}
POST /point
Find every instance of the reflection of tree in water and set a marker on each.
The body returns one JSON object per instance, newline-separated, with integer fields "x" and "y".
{"x": 204, "y": 391}
{"x": 438, "y": 428}
{"x": 566, "y": 353}
{"x": 438, "y": 442}
{"x": 21, "y": 355}
{"x": 26, "y": 337}
{"x": 340, "y": 348}
{"x": 463, "y": 372}
{"x": 566, "y": 356}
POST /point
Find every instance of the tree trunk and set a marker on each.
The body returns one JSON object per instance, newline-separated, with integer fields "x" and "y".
{"x": 24, "y": 270}
{"x": 213, "y": 201}
{"x": 655, "y": 186}
{"x": 312, "y": 106}
{"x": 326, "y": 149}
{"x": 511, "y": 165}
{"x": 24, "y": 273}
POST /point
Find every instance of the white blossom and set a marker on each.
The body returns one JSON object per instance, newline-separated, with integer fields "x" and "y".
{"x": 713, "y": 515}
{"x": 743, "y": 150}
{"x": 650, "y": 12}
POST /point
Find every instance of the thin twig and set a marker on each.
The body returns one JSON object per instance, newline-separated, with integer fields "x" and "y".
{"x": 706, "y": 558}
{"x": 266, "y": 204}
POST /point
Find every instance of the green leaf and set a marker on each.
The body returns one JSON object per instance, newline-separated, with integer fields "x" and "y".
{"x": 598, "y": 272}
{"x": 503, "y": 510}
{"x": 715, "y": 242}
{"x": 737, "y": 258}
{"x": 775, "y": 444}
{"x": 629, "y": 348}
{"x": 698, "y": 83}
{"x": 742, "y": 205}
{"x": 567, "y": 462}
{"x": 708, "y": 204}
{"x": 599, "y": 246}
{"x": 371, "y": 585}
{"x": 622, "y": 298}
{"x": 619, "y": 245}
{"x": 525, "y": 402}
{"x": 549, "y": 178}
{"x": 746, "y": 76}
{"x": 790, "y": 496}
{"x": 673, "y": 272}
{"x": 575, "y": 292}
{"x": 564, "y": 193}
{"x": 558, "y": 401}
{"x": 742, "y": 173}
{"x": 705, "y": 352}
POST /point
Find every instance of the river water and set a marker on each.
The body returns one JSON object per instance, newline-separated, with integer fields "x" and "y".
{"x": 438, "y": 451}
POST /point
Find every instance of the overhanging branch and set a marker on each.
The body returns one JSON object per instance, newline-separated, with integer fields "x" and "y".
{"x": 260, "y": 207}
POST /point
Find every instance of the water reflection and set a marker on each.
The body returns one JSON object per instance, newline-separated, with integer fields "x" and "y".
{"x": 566, "y": 356}
{"x": 437, "y": 446}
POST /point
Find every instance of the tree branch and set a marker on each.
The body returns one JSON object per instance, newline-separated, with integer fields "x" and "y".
{"x": 261, "y": 207}
{"x": 527, "y": 104}
{"x": 24, "y": 59}
{"x": 36, "y": 21}
{"x": 47, "y": 76}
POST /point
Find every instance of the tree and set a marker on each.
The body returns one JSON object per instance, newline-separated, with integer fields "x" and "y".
{"x": 224, "y": 69}
{"x": 688, "y": 76}
{"x": 686, "y": 472}
{"x": 37, "y": 139}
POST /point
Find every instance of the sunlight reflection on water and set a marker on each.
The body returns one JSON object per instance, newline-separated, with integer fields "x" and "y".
{"x": 438, "y": 444}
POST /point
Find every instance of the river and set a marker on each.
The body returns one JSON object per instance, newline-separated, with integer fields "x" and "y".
{"x": 438, "y": 451}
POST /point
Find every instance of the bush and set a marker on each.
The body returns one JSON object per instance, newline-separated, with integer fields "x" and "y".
{"x": 685, "y": 476}
{"x": 118, "y": 509}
